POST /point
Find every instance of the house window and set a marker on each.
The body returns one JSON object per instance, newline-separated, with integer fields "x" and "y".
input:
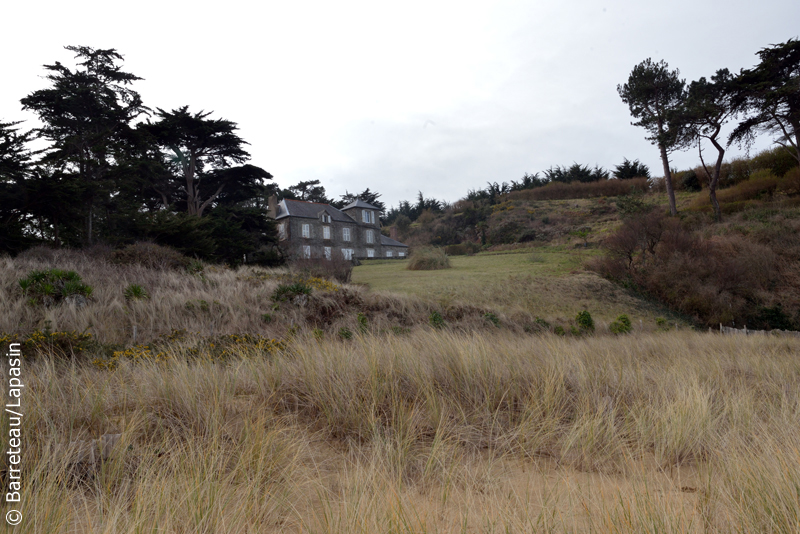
{"x": 346, "y": 234}
{"x": 389, "y": 254}
{"x": 326, "y": 218}
{"x": 367, "y": 217}
{"x": 306, "y": 230}
{"x": 370, "y": 252}
{"x": 327, "y": 253}
{"x": 326, "y": 232}
{"x": 347, "y": 253}
{"x": 282, "y": 231}
{"x": 306, "y": 251}
{"x": 401, "y": 254}
{"x": 369, "y": 236}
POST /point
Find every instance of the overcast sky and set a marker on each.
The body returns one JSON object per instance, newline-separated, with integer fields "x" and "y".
{"x": 400, "y": 97}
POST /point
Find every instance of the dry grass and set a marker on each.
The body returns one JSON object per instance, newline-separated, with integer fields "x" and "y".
{"x": 430, "y": 432}
{"x": 215, "y": 301}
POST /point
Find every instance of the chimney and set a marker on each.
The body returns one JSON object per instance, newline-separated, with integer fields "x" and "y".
{"x": 393, "y": 232}
{"x": 272, "y": 210}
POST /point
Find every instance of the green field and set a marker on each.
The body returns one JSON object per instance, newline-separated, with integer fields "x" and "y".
{"x": 547, "y": 282}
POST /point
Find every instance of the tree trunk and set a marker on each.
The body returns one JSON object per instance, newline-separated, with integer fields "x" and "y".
{"x": 712, "y": 184}
{"x": 673, "y": 210}
{"x": 89, "y": 226}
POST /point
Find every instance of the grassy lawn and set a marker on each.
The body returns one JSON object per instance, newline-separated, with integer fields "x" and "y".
{"x": 549, "y": 282}
{"x": 466, "y": 271}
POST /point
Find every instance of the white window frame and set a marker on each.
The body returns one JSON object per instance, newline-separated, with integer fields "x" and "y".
{"x": 306, "y": 229}
{"x": 282, "y": 231}
{"x": 370, "y": 239}
{"x": 327, "y": 251}
{"x": 370, "y": 252}
{"x": 345, "y": 234}
{"x": 326, "y": 232}
{"x": 347, "y": 253}
{"x": 401, "y": 254}
{"x": 326, "y": 218}
{"x": 389, "y": 254}
{"x": 307, "y": 252}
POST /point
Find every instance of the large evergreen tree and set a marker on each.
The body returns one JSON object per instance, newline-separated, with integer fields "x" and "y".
{"x": 87, "y": 117}
{"x": 15, "y": 168}
{"x": 206, "y": 155}
{"x": 654, "y": 94}
{"x": 771, "y": 93}
{"x": 709, "y": 105}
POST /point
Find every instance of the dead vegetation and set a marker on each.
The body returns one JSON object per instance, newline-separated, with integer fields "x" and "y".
{"x": 428, "y": 432}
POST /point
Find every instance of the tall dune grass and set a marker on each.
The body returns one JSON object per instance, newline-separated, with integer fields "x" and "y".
{"x": 427, "y": 432}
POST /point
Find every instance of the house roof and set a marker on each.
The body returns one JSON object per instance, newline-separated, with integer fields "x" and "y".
{"x": 358, "y": 203}
{"x": 309, "y": 210}
{"x": 389, "y": 242}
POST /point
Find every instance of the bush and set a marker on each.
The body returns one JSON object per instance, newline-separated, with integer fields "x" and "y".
{"x": 622, "y": 325}
{"x": 585, "y": 321}
{"x": 52, "y": 286}
{"x": 603, "y": 188}
{"x": 150, "y": 255}
{"x": 462, "y": 249}
{"x": 135, "y": 292}
{"x": 436, "y": 320}
{"x": 345, "y": 333}
{"x": 285, "y": 292}
{"x": 427, "y": 259}
{"x": 492, "y": 318}
{"x": 690, "y": 182}
{"x": 46, "y": 342}
{"x": 363, "y": 323}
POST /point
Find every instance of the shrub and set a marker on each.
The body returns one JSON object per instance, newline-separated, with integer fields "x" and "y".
{"x": 662, "y": 324}
{"x": 150, "y": 255}
{"x": 436, "y": 320}
{"x": 285, "y": 292}
{"x": 427, "y": 259}
{"x": 585, "y": 321}
{"x": 492, "y": 318}
{"x": 43, "y": 342}
{"x": 266, "y": 317}
{"x": 559, "y": 330}
{"x": 345, "y": 333}
{"x": 363, "y": 323}
{"x": 622, "y": 325}
{"x": 52, "y": 286}
{"x": 462, "y": 249}
{"x": 135, "y": 292}
{"x": 602, "y": 188}
{"x": 690, "y": 182}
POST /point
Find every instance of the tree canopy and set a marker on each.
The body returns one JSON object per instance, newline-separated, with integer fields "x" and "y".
{"x": 771, "y": 94}
{"x": 181, "y": 179}
{"x": 654, "y": 95}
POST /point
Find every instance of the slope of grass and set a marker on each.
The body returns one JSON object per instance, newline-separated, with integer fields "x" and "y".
{"x": 544, "y": 281}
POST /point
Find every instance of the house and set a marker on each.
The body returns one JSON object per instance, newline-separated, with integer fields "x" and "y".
{"x": 313, "y": 230}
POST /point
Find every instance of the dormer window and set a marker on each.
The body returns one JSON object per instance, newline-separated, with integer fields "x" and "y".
{"x": 325, "y": 217}
{"x": 368, "y": 217}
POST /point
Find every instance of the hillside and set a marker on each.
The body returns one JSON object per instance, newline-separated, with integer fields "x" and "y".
{"x": 742, "y": 270}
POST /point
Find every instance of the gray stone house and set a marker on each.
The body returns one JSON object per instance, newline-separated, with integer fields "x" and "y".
{"x": 313, "y": 230}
